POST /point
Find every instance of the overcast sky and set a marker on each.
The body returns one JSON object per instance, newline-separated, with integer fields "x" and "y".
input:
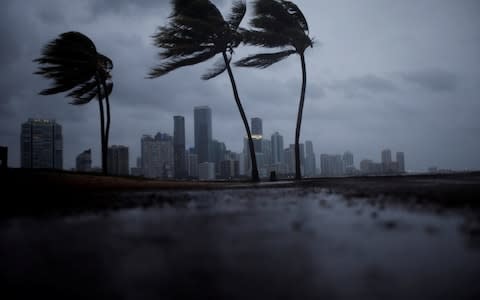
{"x": 403, "y": 75}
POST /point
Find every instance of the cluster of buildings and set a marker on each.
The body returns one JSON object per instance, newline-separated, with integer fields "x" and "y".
{"x": 165, "y": 156}
{"x": 343, "y": 165}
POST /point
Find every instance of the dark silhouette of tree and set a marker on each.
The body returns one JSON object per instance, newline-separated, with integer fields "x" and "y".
{"x": 74, "y": 64}
{"x": 197, "y": 32}
{"x": 279, "y": 24}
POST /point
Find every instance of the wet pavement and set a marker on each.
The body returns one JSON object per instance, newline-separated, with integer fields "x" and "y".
{"x": 292, "y": 243}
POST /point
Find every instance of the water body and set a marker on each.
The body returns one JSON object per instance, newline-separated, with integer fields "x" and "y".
{"x": 243, "y": 244}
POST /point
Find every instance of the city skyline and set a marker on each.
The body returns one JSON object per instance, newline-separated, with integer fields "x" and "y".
{"x": 410, "y": 83}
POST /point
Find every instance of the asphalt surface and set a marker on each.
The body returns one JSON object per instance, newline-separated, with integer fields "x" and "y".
{"x": 306, "y": 242}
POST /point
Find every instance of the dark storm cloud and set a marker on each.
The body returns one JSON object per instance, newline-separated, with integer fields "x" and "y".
{"x": 434, "y": 80}
{"x": 386, "y": 75}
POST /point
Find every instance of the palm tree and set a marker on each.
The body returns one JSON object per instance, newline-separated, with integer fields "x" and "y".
{"x": 197, "y": 32}
{"x": 279, "y": 24}
{"x": 74, "y": 64}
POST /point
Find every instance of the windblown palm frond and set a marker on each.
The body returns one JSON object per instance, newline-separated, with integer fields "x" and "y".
{"x": 72, "y": 61}
{"x": 263, "y": 60}
{"x": 195, "y": 33}
{"x": 278, "y": 23}
{"x": 239, "y": 8}
{"x": 69, "y": 60}
{"x": 218, "y": 68}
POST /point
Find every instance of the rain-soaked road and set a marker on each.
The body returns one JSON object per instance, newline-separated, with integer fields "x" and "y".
{"x": 243, "y": 244}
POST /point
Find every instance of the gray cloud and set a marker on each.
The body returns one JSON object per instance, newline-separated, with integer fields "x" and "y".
{"x": 375, "y": 81}
{"x": 434, "y": 80}
{"x": 369, "y": 83}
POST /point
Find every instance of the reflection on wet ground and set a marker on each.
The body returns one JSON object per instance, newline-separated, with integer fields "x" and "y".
{"x": 245, "y": 244}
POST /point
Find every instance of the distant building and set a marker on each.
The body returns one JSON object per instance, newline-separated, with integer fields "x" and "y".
{"x": 118, "y": 160}
{"x": 277, "y": 149}
{"x": 41, "y": 144}
{"x": 310, "y": 162}
{"x": 218, "y": 152}
{"x": 192, "y": 164}
{"x": 386, "y": 156}
{"x": 348, "y": 159}
{"x": 179, "y": 159}
{"x": 203, "y": 132}
{"x": 331, "y": 165}
{"x": 157, "y": 156}
{"x": 290, "y": 158}
{"x": 257, "y": 127}
{"x": 137, "y": 170}
{"x": 84, "y": 161}
{"x": 206, "y": 171}
{"x": 229, "y": 169}
{"x": 401, "y": 162}
{"x": 3, "y": 157}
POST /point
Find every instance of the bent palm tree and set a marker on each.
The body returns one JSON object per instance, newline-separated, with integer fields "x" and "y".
{"x": 279, "y": 24}
{"x": 197, "y": 32}
{"x": 73, "y": 63}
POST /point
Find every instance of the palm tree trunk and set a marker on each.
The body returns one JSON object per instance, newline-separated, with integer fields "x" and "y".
{"x": 298, "y": 171}
{"x": 102, "y": 129}
{"x": 107, "y": 129}
{"x": 255, "y": 176}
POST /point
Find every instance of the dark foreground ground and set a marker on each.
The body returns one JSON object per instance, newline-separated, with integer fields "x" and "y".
{"x": 68, "y": 236}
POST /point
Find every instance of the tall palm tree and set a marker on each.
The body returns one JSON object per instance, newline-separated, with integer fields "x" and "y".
{"x": 74, "y": 64}
{"x": 279, "y": 24}
{"x": 197, "y": 32}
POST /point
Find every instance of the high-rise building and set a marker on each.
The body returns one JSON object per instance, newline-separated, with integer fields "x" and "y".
{"x": 401, "y": 162}
{"x": 157, "y": 156}
{"x": 206, "y": 171}
{"x": 257, "y": 134}
{"x": 84, "y": 161}
{"x": 331, "y": 165}
{"x": 229, "y": 169}
{"x": 118, "y": 160}
{"x": 3, "y": 157}
{"x": 277, "y": 148}
{"x": 179, "y": 160}
{"x": 41, "y": 144}
{"x": 218, "y": 152}
{"x": 348, "y": 159}
{"x": 257, "y": 127}
{"x": 310, "y": 161}
{"x": 192, "y": 164}
{"x": 203, "y": 132}
{"x": 386, "y": 156}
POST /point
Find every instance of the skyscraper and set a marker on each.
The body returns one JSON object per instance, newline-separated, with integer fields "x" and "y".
{"x": 257, "y": 134}
{"x": 118, "y": 160}
{"x": 257, "y": 128}
{"x": 348, "y": 159}
{"x": 84, "y": 161}
{"x": 179, "y": 160}
{"x": 277, "y": 148}
{"x": 3, "y": 157}
{"x": 386, "y": 157}
{"x": 41, "y": 144}
{"x": 331, "y": 165}
{"x": 203, "y": 132}
{"x": 310, "y": 161}
{"x": 401, "y": 162}
{"x": 157, "y": 156}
